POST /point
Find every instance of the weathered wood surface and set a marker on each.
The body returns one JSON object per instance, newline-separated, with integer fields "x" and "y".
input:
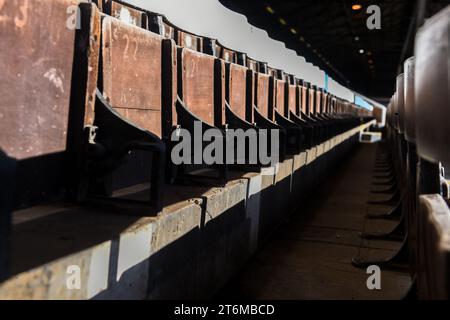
{"x": 198, "y": 84}
{"x": 37, "y": 44}
{"x": 132, "y": 73}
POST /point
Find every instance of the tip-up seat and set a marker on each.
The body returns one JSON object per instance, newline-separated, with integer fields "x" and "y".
{"x": 294, "y": 132}
{"x": 200, "y": 103}
{"x": 292, "y": 111}
{"x": 400, "y": 99}
{"x": 128, "y": 127}
{"x": 239, "y": 105}
{"x": 432, "y": 107}
{"x": 432, "y": 89}
{"x": 263, "y": 108}
{"x": 125, "y": 12}
{"x": 309, "y": 107}
{"x": 159, "y": 24}
{"x": 410, "y": 118}
{"x": 35, "y": 90}
{"x": 229, "y": 55}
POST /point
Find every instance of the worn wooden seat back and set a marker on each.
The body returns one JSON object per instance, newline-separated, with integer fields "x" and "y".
{"x": 410, "y": 120}
{"x": 125, "y": 13}
{"x": 225, "y": 54}
{"x": 401, "y": 102}
{"x": 263, "y": 94}
{"x": 294, "y": 97}
{"x": 280, "y": 96}
{"x": 318, "y": 101}
{"x": 37, "y": 40}
{"x": 304, "y": 99}
{"x": 132, "y": 62}
{"x": 312, "y": 101}
{"x": 432, "y": 97}
{"x": 434, "y": 248}
{"x": 190, "y": 41}
{"x": 236, "y": 89}
{"x": 201, "y": 85}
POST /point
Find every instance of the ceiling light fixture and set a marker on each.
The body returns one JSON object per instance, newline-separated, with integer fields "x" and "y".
{"x": 356, "y": 7}
{"x": 361, "y": 51}
{"x": 270, "y": 10}
{"x": 293, "y": 31}
{"x": 282, "y": 21}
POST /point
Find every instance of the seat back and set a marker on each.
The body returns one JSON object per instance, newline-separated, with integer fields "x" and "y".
{"x": 263, "y": 94}
{"x": 293, "y": 100}
{"x": 319, "y": 101}
{"x": 410, "y": 118}
{"x": 401, "y": 102}
{"x": 304, "y": 99}
{"x": 229, "y": 55}
{"x": 236, "y": 89}
{"x": 281, "y": 97}
{"x": 201, "y": 85}
{"x": 395, "y": 111}
{"x": 311, "y": 100}
{"x": 188, "y": 40}
{"x": 125, "y": 13}
{"x": 35, "y": 90}
{"x": 252, "y": 64}
{"x": 432, "y": 94}
{"x": 131, "y": 73}
{"x": 434, "y": 248}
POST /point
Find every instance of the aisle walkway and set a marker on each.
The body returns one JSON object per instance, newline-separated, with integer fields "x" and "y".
{"x": 309, "y": 256}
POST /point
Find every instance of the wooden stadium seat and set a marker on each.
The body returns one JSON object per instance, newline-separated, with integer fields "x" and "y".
{"x": 309, "y": 100}
{"x": 294, "y": 131}
{"x": 410, "y": 118}
{"x": 159, "y": 24}
{"x": 431, "y": 74}
{"x": 264, "y": 94}
{"x": 128, "y": 114}
{"x": 431, "y": 81}
{"x": 253, "y": 64}
{"x": 263, "y": 108}
{"x": 292, "y": 111}
{"x": 125, "y": 12}
{"x": 35, "y": 91}
{"x": 237, "y": 94}
{"x": 201, "y": 92}
{"x": 229, "y": 55}
{"x": 401, "y": 102}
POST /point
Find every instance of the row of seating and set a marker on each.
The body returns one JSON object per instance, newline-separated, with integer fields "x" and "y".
{"x": 411, "y": 168}
{"x": 89, "y": 110}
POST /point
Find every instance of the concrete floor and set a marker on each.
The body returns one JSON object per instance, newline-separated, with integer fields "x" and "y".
{"x": 309, "y": 256}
